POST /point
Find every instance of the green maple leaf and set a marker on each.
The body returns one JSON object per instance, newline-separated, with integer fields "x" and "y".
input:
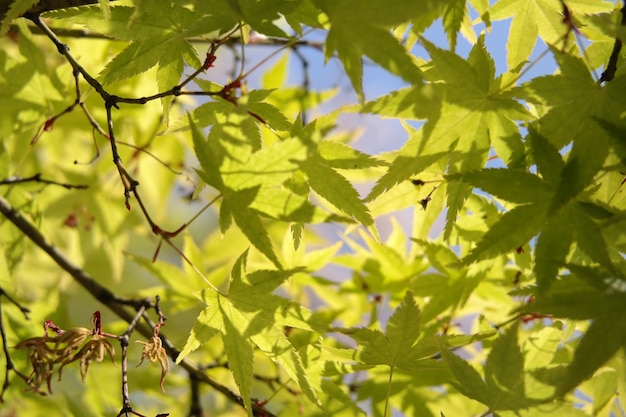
{"x": 336, "y": 189}
{"x": 261, "y": 14}
{"x": 602, "y": 340}
{"x": 208, "y": 324}
{"x": 251, "y": 178}
{"x": 504, "y": 373}
{"x": 467, "y": 112}
{"x": 269, "y": 166}
{"x": 586, "y": 294}
{"x": 469, "y": 382}
{"x": 17, "y": 8}
{"x": 239, "y": 352}
{"x": 248, "y": 316}
{"x": 362, "y": 29}
{"x": 429, "y": 346}
{"x": 454, "y": 14}
{"x": 552, "y": 410}
{"x": 341, "y": 156}
{"x": 250, "y": 111}
{"x": 123, "y": 23}
{"x": 552, "y": 247}
{"x": 402, "y": 346}
{"x": 510, "y": 185}
{"x": 163, "y": 27}
{"x": 547, "y": 157}
{"x": 503, "y": 387}
{"x": 403, "y": 329}
{"x": 576, "y": 221}
{"x": 236, "y": 205}
{"x": 573, "y": 95}
{"x": 519, "y": 224}
{"x": 532, "y": 18}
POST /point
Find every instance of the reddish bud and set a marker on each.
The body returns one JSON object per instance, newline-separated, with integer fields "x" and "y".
{"x": 71, "y": 221}
{"x": 96, "y": 320}
{"x": 208, "y": 61}
{"x": 49, "y": 324}
{"x": 49, "y": 124}
{"x": 46, "y": 127}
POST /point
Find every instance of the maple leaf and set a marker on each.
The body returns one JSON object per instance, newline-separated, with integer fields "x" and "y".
{"x": 355, "y": 32}
{"x": 464, "y": 120}
{"x": 535, "y": 215}
{"x": 503, "y": 387}
{"x": 250, "y": 315}
{"x": 533, "y": 18}
{"x": 575, "y": 96}
{"x": 586, "y": 294}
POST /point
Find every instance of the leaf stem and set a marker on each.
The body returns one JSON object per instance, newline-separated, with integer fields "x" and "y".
{"x": 388, "y": 392}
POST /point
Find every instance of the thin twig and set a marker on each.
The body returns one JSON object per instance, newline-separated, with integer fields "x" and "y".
{"x": 124, "y": 340}
{"x": 65, "y": 51}
{"x": 257, "y": 41}
{"x": 157, "y": 309}
{"x": 611, "y": 68}
{"x": 113, "y": 302}
{"x": 37, "y": 178}
{"x": 24, "y": 310}
{"x": 9, "y": 363}
{"x": 305, "y": 82}
{"x": 112, "y": 101}
{"x": 195, "y": 408}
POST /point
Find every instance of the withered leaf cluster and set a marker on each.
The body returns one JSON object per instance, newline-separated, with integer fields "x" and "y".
{"x": 48, "y": 353}
{"x": 154, "y": 351}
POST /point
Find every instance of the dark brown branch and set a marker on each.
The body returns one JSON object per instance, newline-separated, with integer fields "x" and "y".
{"x": 113, "y": 302}
{"x": 113, "y": 100}
{"x": 45, "y": 6}
{"x": 37, "y": 178}
{"x": 65, "y": 51}
{"x": 110, "y": 101}
{"x": 195, "y": 408}
{"x": 24, "y": 310}
{"x": 7, "y": 357}
{"x": 611, "y": 68}
{"x": 157, "y": 309}
{"x": 306, "y": 82}
{"x": 256, "y": 41}
{"x": 124, "y": 340}
{"x": 8, "y": 362}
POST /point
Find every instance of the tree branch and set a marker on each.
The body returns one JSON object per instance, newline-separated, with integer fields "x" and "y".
{"x": 9, "y": 363}
{"x": 45, "y": 6}
{"x": 38, "y": 179}
{"x": 113, "y": 302}
{"x": 611, "y": 68}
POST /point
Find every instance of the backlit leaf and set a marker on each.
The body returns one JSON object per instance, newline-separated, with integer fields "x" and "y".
{"x": 336, "y": 189}
{"x": 512, "y": 230}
